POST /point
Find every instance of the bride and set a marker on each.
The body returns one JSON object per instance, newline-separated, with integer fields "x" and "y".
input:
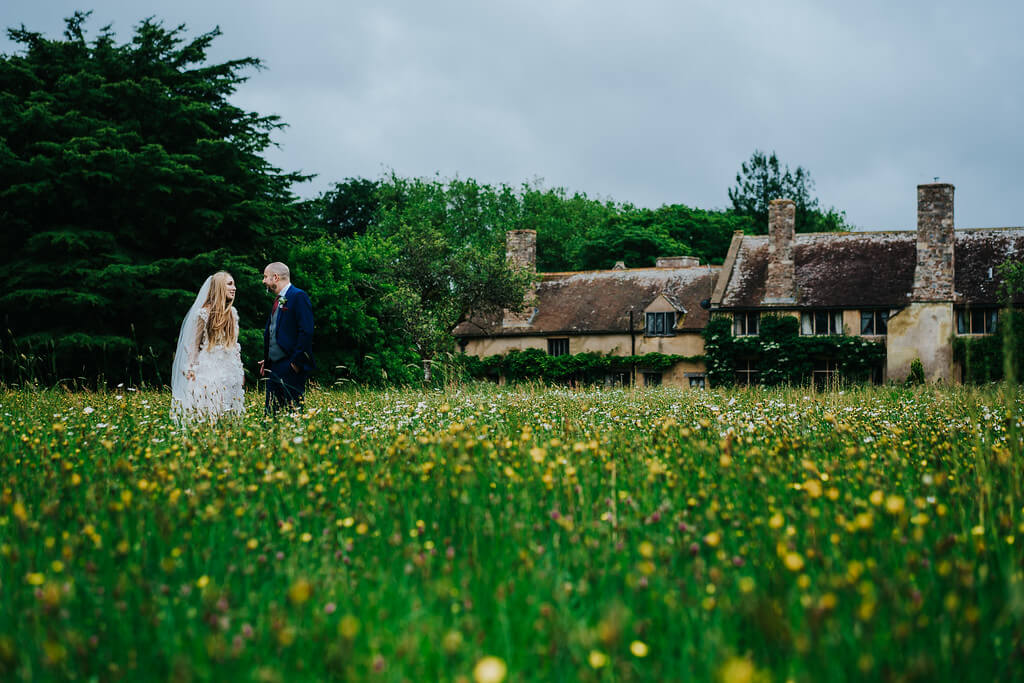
{"x": 206, "y": 377}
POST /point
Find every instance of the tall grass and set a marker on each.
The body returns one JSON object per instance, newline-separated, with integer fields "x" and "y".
{"x": 577, "y": 535}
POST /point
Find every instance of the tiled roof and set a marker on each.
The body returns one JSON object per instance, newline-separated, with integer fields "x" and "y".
{"x": 870, "y": 269}
{"x": 599, "y": 301}
{"x": 978, "y": 251}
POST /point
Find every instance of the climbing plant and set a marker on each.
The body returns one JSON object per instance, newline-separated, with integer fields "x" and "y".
{"x": 984, "y": 358}
{"x": 996, "y": 357}
{"x": 536, "y": 364}
{"x": 780, "y": 355}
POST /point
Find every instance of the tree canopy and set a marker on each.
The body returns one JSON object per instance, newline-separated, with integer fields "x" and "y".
{"x": 127, "y": 177}
{"x": 427, "y": 255}
{"x": 348, "y": 209}
{"x": 762, "y": 178}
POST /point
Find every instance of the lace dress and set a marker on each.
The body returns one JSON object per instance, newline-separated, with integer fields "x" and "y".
{"x": 214, "y": 389}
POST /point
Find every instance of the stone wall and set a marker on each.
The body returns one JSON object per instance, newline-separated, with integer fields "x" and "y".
{"x": 921, "y": 330}
{"x": 521, "y": 252}
{"x": 780, "y": 286}
{"x": 933, "y": 272}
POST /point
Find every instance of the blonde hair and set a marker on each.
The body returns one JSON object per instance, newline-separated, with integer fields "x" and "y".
{"x": 220, "y": 326}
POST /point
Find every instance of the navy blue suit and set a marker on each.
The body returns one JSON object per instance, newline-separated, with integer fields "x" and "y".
{"x": 294, "y": 335}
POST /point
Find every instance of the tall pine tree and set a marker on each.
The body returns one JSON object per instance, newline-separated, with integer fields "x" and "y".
{"x": 763, "y": 178}
{"x": 126, "y": 177}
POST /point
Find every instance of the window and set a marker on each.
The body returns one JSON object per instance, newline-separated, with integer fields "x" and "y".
{"x": 661, "y": 324}
{"x": 697, "y": 381}
{"x": 617, "y": 379}
{"x": 874, "y": 322}
{"x": 821, "y": 322}
{"x": 558, "y": 347}
{"x": 826, "y": 374}
{"x": 878, "y": 373}
{"x": 652, "y": 379}
{"x": 976, "y": 320}
{"x": 745, "y": 324}
{"x": 746, "y": 372}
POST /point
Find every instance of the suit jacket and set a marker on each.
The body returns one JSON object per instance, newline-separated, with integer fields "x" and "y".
{"x": 294, "y": 330}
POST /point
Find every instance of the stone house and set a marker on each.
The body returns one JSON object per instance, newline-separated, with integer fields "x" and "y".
{"x": 914, "y": 290}
{"x": 621, "y": 312}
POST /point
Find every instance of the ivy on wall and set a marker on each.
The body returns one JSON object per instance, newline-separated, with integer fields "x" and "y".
{"x": 781, "y": 355}
{"x": 984, "y": 358}
{"x": 535, "y": 364}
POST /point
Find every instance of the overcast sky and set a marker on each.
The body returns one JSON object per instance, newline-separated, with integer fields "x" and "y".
{"x": 648, "y": 102}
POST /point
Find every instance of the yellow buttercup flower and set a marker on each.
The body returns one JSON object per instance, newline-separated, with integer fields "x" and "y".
{"x": 300, "y": 591}
{"x": 490, "y": 670}
{"x": 737, "y": 670}
{"x": 794, "y": 562}
{"x": 894, "y": 505}
{"x": 348, "y": 627}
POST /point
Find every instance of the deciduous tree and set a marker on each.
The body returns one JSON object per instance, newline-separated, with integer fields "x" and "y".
{"x": 444, "y": 256}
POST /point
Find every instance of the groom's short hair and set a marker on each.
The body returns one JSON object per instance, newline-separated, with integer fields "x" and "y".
{"x": 279, "y": 269}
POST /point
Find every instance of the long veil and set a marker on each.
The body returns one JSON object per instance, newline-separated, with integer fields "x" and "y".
{"x": 179, "y": 368}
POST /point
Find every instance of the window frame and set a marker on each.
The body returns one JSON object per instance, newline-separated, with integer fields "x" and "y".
{"x": 555, "y": 344}
{"x": 668, "y": 324}
{"x": 746, "y": 368}
{"x": 741, "y": 323}
{"x": 879, "y": 318}
{"x": 810, "y": 320}
{"x": 985, "y": 317}
{"x": 825, "y": 373}
{"x": 652, "y": 379}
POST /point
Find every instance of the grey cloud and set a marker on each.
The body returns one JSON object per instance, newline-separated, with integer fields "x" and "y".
{"x": 651, "y": 102}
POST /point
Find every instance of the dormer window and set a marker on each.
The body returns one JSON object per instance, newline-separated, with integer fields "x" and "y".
{"x": 661, "y": 324}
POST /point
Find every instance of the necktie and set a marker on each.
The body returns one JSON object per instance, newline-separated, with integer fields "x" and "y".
{"x": 274, "y": 309}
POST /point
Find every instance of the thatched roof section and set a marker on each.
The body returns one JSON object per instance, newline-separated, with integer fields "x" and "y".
{"x": 600, "y": 301}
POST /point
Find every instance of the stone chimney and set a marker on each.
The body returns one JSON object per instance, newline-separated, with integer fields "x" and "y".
{"x": 521, "y": 248}
{"x": 676, "y": 262}
{"x": 521, "y": 252}
{"x": 780, "y": 287}
{"x": 933, "y": 273}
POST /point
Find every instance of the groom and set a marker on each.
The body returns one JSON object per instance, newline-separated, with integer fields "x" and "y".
{"x": 287, "y": 341}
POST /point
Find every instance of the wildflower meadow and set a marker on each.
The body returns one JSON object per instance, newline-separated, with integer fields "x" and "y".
{"x": 485, "y": 533}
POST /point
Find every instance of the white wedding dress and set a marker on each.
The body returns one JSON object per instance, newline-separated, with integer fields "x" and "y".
{"x": 206, "y": 380}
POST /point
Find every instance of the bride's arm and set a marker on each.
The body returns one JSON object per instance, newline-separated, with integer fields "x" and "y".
{"x": 238, "y": 347}
{"x": 197, "y": 343}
